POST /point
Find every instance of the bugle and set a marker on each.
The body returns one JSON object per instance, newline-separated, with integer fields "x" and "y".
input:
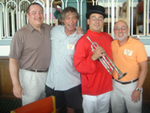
{"x": 108, "y": 64}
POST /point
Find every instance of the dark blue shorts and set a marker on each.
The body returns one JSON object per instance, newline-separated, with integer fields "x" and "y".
{"x": 72, "y": 97}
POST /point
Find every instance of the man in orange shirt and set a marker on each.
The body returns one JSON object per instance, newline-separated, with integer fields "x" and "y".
{"x": 129, "y": 56}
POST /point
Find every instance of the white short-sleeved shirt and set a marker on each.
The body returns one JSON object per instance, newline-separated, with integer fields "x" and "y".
{"x": 62, "y": 74}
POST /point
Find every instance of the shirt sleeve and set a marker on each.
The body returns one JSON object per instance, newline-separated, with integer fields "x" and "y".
{"x": 141, "y": 53}
{"x": 16, "y": 47}
{"x": 82, "y": 59}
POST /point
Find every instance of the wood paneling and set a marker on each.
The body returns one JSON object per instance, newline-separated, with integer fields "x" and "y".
{"x": 5, "y": 80}
{"x": 6, "y": 84}
{"x": 146, "y": 86}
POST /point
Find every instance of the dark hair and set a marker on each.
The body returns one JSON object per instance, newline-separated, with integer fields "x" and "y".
{"x": 66, "y": 10}
{"x": 33, "y": 4}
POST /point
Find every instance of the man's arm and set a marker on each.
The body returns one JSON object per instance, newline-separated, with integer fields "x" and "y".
{"x": 136, "y": 38}
{"x": 13, "y": 68}
{"x": 142, "y": 76}
{"x": 79, "y": 30}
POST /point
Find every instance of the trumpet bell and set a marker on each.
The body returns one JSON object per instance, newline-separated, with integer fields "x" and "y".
{"x": 121, "y": 76}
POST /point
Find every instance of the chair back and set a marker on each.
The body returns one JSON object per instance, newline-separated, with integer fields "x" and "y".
{"x": 45, "y": 105}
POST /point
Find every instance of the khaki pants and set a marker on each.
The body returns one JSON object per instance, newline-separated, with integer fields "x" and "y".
{"x": 121, "y": 98}
{"x": 33, "y": 84}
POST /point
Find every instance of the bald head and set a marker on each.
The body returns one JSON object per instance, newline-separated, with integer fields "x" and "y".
{"x": 121, "y": 22}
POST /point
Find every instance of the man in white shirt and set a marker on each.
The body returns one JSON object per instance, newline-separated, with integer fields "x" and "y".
{"x": 63, "y": 81}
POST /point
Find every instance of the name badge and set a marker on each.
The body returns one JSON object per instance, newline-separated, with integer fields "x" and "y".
{"x": 70, "y": 46}
{"x": 128, "y": 52}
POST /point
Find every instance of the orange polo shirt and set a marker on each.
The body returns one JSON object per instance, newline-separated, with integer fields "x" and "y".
{"x": 127, "y": 58}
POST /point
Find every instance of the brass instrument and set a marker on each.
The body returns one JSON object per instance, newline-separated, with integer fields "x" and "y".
{"x": 108, "y": 64}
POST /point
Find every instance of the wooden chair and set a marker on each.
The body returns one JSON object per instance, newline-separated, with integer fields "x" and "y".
{"x": 140, "y": 17}
{"x": 55, "y": 22}
{"x": 121, "y": 16}
{"x": 125, "y": 12}
{"x": 45, "y": 105}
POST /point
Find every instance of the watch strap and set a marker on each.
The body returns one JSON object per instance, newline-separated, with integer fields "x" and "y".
{"x": 139, "y": 89}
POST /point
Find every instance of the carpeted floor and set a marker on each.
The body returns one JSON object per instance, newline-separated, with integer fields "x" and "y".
{"x": 146, "y": 108}
{"x": 7, "y": 105}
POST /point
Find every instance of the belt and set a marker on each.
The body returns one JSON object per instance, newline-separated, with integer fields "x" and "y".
{"x": 36, "y": 70}
{"x": 128, "y": 82}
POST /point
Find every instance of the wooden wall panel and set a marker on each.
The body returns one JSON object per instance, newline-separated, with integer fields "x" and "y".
{"x": 146, "y": 86}
{"x": 5, "y": 80}
{"x": 6, "y": 84}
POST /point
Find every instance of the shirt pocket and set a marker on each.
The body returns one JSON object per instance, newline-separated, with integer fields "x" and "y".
{"x": 55, "y": 44}
{"x": 70, "y": 49}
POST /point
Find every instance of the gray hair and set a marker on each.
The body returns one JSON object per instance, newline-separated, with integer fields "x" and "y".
{"x": 66, "y": 10}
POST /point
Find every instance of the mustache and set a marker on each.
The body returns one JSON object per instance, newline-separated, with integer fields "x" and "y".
{"x": 96, "y": 24}
{"x": 122, "y": 38}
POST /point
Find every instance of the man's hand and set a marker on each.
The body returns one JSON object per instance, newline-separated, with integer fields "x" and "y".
{"x": 79, "y": 30}
{"x": 136, "y": 96}
{"x": 18, "y": 91}
{"x": 98, "y": 52}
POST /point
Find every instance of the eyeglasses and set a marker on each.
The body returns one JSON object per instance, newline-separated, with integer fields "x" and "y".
{"x": 99, "y": 19}
{"x": 122, "y": 28}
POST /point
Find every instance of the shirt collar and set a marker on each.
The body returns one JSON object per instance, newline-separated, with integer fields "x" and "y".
{"x": 93, "y": 33}
{"x": 63, "y": 30}
{"x": 31, "y": 28}
{"x": 129, "y": 41}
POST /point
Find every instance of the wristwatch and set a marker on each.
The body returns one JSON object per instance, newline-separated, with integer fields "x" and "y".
{"x": 139, "y": 89}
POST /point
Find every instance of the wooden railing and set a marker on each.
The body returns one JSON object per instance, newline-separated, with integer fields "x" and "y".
{"x": 13, "y": 16}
